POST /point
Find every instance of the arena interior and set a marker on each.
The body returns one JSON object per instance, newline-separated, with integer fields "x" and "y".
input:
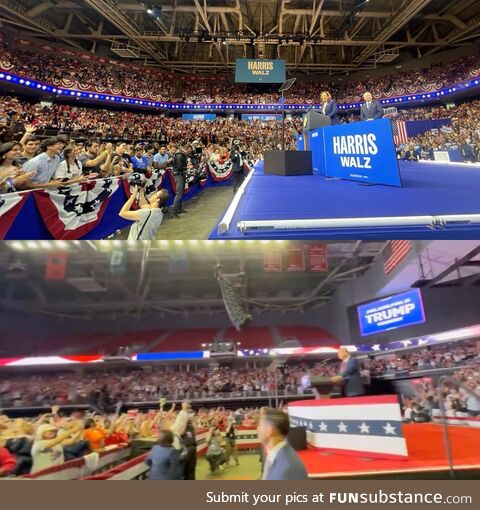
{"x": 117, "y": 81}
{"x": 233, "y": 228}
{"x": 106, "y": 341}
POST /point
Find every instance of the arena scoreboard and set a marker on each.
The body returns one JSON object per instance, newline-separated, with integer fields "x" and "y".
{"x": 260, "y": 71}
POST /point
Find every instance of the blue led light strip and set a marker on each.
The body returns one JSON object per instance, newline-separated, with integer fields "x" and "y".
{"x": 111, "y": 98}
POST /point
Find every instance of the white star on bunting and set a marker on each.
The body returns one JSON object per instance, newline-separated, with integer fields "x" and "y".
{"x": 389, "y": 429}
{"x": 364, "y": 428}
{"x": 323, "y": 427}
{"x": 342, "y": 427}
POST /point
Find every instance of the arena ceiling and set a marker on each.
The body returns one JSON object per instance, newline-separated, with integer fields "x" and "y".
{"x": 206, "y": 36}
{"x": 154, "y": 282}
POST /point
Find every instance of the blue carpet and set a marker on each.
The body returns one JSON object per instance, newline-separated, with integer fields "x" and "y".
{"x": 427, "y": 190}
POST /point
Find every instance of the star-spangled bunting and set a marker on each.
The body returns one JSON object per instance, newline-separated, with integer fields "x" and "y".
{"x": 359, "y": 427}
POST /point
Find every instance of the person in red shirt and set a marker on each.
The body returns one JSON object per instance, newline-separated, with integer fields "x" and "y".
{"x": 7, "y": 462}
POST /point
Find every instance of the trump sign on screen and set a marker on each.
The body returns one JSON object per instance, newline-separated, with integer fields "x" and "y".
{"x": 260, "y": 71}
{"x": 391, "y": 312}
{"x": 362, "y": 151}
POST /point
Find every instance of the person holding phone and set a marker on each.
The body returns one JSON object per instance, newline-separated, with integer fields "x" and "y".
{"x": 148, "y": 218}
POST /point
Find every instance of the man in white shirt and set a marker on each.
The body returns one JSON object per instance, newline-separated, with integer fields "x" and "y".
{"x": 281, "y": 460}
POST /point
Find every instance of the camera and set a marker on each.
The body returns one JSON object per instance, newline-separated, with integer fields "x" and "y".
{"x": 137, "y": 179}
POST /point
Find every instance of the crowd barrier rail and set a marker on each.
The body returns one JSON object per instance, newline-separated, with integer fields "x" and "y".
{"x": 247, "y": 439}
{"x": 87, "y": 210}
{"x": 78, "y": 468}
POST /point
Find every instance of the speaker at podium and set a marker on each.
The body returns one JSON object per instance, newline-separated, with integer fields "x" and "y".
{"x": 314, "y": 120}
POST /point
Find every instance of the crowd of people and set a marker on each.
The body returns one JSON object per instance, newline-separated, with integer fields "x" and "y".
{"x": 141, "y": 385}
{"x": 460, "y": 397}
{"x": 28, "y": 445}
{"x": 463, "y": 134}
{"x": 68, "y": 69}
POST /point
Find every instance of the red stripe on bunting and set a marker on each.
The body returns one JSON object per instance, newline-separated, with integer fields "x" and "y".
{"x": 55, "y": 225}
{"x": 7, "y": 219}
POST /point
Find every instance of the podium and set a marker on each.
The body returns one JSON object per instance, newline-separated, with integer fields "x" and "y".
{"x": 288, "y": 163}
{"x": 314, "y": 120}
{"x": 324, "y": 386}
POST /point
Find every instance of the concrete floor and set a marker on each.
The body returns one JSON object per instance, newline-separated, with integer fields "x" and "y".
{"x": 203, "y": 212}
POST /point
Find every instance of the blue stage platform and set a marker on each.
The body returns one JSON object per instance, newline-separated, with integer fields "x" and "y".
{"x": 428, "y": 190}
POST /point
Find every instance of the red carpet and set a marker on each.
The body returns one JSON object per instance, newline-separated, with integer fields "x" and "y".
{"x": 425, "y": 449}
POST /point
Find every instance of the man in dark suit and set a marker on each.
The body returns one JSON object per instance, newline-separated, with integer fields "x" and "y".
{"x": 329, "y": 108}
{"x": 371, "y": 109}
{"x": 281, "y": 461}
{"x": 349, "y": 376}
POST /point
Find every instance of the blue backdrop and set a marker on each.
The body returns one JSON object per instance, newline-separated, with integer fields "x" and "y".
{"x": 418, "y": 127}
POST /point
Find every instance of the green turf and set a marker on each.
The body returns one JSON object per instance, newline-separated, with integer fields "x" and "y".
{"x": 248, "y": 469}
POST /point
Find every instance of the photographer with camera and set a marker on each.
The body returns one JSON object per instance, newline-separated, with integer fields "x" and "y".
{"x": 150, "y": 215}
{"x": 238, "y": 167}
{"x": 180, "y": 164}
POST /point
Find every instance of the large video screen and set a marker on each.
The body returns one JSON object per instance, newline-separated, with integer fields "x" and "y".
{"x": 260, "y": 71}
{"x": 391, "y": 312}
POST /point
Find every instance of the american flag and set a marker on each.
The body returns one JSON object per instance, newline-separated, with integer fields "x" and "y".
{"x": 394, "y": 253}
{"x": 399, "y": 131}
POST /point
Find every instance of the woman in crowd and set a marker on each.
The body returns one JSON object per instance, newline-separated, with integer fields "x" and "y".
{"x": 12, "y": 177}
{"x": 70, "y": 170}
{"x": 164, "y": 459}
{"x": 148, "y": 218}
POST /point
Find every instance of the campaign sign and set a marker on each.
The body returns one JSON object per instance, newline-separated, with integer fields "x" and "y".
{"x": 362, "y": 151}
{"x": 391, "y": 312}
{"x": 315, "y": 139}
{"x": 301, "y": 143}
{"x": 260, "y": 71}
{"x": 199, "y": 116}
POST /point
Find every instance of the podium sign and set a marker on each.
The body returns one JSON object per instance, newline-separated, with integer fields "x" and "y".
{"x": 317, "y": 147}
{"x": 363, "y": 426}
{"x": 362, "y": 151}
{"x": 315, "y": 142}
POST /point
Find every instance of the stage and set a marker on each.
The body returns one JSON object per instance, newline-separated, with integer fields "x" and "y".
{"x": 426, "y": 457}
{"x": 429, "y": 189}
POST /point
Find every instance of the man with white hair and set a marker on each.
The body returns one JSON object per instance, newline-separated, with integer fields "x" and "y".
{"x": 371, "y": 109}
{"x": 352, "y": 385}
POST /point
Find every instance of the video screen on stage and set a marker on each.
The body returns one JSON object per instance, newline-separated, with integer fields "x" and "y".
{"x": 391, "y": 312}
{"x": 260, "y": 71}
